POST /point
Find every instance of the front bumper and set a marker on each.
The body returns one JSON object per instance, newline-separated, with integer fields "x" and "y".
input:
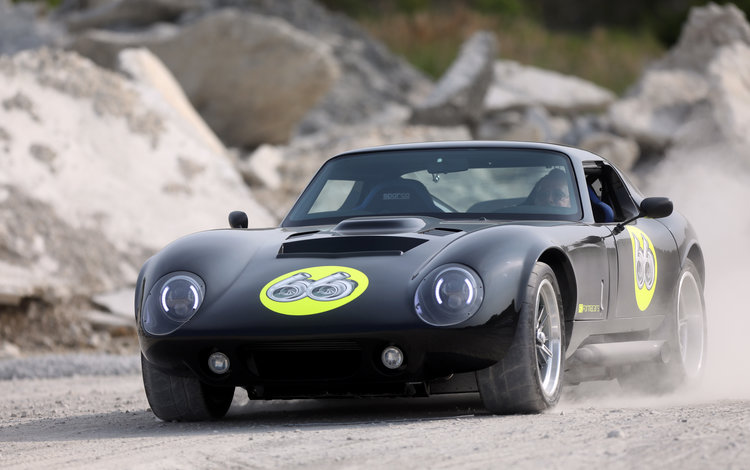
{"x": 346, "y": 364}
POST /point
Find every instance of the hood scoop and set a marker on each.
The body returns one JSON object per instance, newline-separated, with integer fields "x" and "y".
{"x": 379, "y": 225}
{"x": 342, "y": 247}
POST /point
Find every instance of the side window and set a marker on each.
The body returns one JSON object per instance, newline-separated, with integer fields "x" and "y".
{"x": 616, "y": 193}
{"x": 610, "y": 199}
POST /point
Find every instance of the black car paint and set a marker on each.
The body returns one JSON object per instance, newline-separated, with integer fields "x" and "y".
{"x": 584, "y": 254}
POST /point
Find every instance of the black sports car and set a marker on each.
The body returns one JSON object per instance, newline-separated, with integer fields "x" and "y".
{"x": 505, "y": 268}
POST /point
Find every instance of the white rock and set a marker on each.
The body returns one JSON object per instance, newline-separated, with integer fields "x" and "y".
{"x": 9, "y": 350}
{"x": 127, "y": 178}
{"x": 708, "y": 29}
{"x": 518, "y": 85}
{"x": 621, "y": 151}
{"x": 119, "y": 302}
{"x": 262, "y": 167}
{"x": 107, "y": 321}
{"x": 526, "y": 124}
{"x": 144, "y": 67}
{"x": 458, "y": 96}
{"x": 660, "y": 106}
{"x": 252, "y": 78}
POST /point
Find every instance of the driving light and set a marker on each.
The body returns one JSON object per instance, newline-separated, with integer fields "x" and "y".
{"x": 392, "y": 357}
{"x": 448, "y": 295}
{"x": 218, "y": 363}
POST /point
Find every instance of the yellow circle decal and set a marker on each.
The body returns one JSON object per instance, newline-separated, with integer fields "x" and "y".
{"x": 645, "y": 268}
{"x": 313, "y": 290}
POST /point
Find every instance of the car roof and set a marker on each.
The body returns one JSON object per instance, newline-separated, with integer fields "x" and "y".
{"x": 577, "y": 155}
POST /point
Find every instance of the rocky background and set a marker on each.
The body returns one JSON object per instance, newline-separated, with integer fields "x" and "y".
{"x": 125, "y": 124}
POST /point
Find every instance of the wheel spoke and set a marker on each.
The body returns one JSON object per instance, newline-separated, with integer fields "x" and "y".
{"x": 545, "y": 352}
{"x": 542, "y": 317}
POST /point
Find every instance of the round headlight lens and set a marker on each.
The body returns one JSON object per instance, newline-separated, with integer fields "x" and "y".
{"x": 180, "y": 297}
{"x": 172, "y": 301}
{"x": 449, "y": 295}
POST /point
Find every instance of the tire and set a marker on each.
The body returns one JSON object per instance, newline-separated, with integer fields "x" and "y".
{"x": 529, "y": 378}
{"x": 691, "y": 331}
{"x": 174, "y": 398}
{"x": 688, "y": 340}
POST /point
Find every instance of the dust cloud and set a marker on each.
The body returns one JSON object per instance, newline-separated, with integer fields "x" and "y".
{"x": 711, "y": 187}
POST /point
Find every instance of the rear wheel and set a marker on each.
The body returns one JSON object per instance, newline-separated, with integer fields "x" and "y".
{"x": 688, "y": 341}
{"x": 529, "y": 378}
{"x": 174, "y": 398}
{"x": 691, "y": 324}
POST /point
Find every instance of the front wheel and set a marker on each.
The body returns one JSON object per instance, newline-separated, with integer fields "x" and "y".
{"x": 174, "y": 398}
{"x": 529, "y": 378}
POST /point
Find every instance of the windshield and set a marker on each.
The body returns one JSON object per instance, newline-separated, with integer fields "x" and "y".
{"x": 494, "y": 183}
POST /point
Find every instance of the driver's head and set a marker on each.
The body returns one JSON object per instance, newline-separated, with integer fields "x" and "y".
{"x": 552, "y": 190}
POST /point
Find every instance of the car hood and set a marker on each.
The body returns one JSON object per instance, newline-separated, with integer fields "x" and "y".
{"x": 385, "y": 258}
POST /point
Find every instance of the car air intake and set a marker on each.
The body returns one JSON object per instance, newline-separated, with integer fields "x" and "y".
{"x": 334, "y": 247}
{"x": 302, "y": 361}
{"x": 379, "y": 225}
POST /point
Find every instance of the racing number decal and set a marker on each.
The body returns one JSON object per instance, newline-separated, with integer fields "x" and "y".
{"x": 313, "y": 290}
{"x": 645, "y": 268}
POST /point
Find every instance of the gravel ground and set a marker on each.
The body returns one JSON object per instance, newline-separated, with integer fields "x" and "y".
{"x": 51, "y": 366}
{"x": 92, "y": 420}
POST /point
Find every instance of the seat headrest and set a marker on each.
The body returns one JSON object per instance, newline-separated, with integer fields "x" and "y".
{"x": 402, "y": 195}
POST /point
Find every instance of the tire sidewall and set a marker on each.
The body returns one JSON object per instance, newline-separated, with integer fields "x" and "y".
{"x": 679, "y": 367}
{"x": 527, "y": 327}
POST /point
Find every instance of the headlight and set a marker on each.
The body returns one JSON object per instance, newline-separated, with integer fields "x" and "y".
{"x": 449, "y": 295}
{"x": 173, "y": 300}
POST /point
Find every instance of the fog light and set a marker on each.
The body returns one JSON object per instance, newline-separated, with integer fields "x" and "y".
{"x": 218, "y": 363}
{"x": 392, "y": 357}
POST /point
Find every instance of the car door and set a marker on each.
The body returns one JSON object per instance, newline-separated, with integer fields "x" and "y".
{"x": 646, "y": 253}
{"x": 647, "y": 256}
{"x": 595, "y": 261}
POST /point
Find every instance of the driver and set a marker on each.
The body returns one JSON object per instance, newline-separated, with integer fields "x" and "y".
{"x": 551, "y": 190}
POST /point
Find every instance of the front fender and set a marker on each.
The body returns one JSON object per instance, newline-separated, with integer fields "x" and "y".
{"x": 503, "y": 257}
{"x": 218, "y": 255}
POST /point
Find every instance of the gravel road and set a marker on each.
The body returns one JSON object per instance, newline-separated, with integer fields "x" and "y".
{"x": 103, "y": 421}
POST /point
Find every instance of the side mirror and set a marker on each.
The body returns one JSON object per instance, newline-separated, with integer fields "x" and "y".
{"x": 656, "y": 207}
{"x": 237, "y": 219}
{"x": 653, "y": 207}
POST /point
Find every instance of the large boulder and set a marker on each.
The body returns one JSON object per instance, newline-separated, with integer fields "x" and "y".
{"x": 533, "y": 104}
{"x": 144, "y": 67}
{"x": 97, "y": 173}
{"x": 458, "y": 97}
{"x": 708, "y": 29}
{"x": 621, "y": 151}
{"x": 515, "y": 85}
{"x": 372, "y": 85}
{"x": 375, "y": 85}
{"x": 659, "y": 106}
{"x": 695, "y": 95}
{"x": 528, "y": 123}
{"x": 251, "y": 78}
